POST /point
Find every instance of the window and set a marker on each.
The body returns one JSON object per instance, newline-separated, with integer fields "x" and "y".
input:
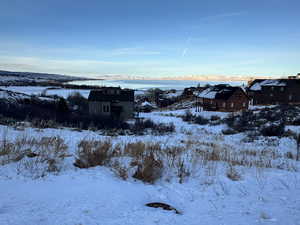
{"x": 271, "y": 95}
{"x": 282, "y": 89}
{"x": 244, "y": 104}
{"x": 105, "y": 108}
{"x": 224, "y": 104}
{"x": 272, "y": 88}
{"x": 232, "y": 105}
{"x": 290, "y": 97}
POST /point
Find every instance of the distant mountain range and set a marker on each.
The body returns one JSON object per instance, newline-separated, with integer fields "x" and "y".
{"x": 17, "y": 76}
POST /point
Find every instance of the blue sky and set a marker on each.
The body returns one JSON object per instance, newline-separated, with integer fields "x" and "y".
{"x": 158, "y": 38}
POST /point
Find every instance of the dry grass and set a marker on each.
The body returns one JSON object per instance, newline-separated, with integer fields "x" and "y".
{"x": 93, "y": 153}
{"x": 46, "y": 156}
{"x": 150, "y": 161}
{"x": 35, "y": 157}
{"x": 119, "y": 170}
{"x": 233, "y": 174}
{"x": 149, "y": 169}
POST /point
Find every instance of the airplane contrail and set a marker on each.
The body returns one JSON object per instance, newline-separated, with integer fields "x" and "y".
{"x": 184, "y": 51}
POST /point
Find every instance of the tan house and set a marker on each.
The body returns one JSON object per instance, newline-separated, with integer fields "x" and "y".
{"x": 112, "y": 102}
{"x": 224, "y": 98}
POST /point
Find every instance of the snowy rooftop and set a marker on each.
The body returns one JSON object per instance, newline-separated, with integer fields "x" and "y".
{"x": 146, "y": 103}
{"x": 218, "y": 91}
{"x": 270, "y": 82}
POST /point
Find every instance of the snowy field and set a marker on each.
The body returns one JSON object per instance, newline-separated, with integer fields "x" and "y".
{"x": 97, "y": 195}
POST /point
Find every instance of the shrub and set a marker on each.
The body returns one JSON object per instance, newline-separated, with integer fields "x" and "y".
{"x": 35, "y": 157}
{"x": 78, "y": 102}
{"x": 50, "y": 151}
{"x": 201, "y": 120}
{"x": 233, "y": 174}
{"x": 161, "y": 128}
{"x": 290, "y": 133}
{"x": 273, "y": 130}
{"x": 182, "y": 171}
{"x": 188, "y": 116}
{"x": 120, "y": 170}
{"x": 149, "y": 169}
{"x": 214, "y": 118}
{"x": 140, "y": 126}
{"x": 93, "y": 153}
{"x": 296, "y": 122}
{"x": 229, "y": 131}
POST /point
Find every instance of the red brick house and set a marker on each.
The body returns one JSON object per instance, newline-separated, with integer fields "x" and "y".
{"x": 274, "y": 91}
{"x": 224, "y": 98}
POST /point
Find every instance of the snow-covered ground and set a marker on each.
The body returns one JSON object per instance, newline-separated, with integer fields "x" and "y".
{"x": 66, "y": 92}
{"x": 97, "y": 196}
{"x": 29, "y": 90}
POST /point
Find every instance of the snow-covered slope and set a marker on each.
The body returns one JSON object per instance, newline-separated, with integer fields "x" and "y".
{"x": 14, "y": 97}
{"x": 97, "y": 196}
{"x": 7, "y": 77}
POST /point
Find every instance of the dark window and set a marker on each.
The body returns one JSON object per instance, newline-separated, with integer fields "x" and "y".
{"x": 105, "y": 108}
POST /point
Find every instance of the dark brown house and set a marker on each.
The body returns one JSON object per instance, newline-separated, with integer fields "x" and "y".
{"x": 224, "y": 98}
{"x": 274, "y": 91}
{"x": 112, "y": 102}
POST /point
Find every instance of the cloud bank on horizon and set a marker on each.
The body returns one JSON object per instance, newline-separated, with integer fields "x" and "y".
{"x": 143, "y": 39}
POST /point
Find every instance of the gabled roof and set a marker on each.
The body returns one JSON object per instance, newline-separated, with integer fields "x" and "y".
{"x": 222, "y": 92}
{"x": 257, "y": 84}
{"x": 111, "y": 94}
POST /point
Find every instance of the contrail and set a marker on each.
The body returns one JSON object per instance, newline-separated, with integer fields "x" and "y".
{"x": 184, "y": 51}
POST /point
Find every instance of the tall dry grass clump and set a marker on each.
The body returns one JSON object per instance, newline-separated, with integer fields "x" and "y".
{"x": 149, "y": 169}
{"x": 35, "y": 157}
{"x": 93, "y": 153}
{"x": 150, "y": 161}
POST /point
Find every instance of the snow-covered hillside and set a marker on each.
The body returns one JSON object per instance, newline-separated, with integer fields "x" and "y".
{"x": 15, "y": 97}
{"x": 8, "y": 77}
{"x": 267, "y": 192}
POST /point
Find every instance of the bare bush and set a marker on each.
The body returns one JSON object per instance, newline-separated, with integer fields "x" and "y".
{"x": 35, "y": 157}
{"x": 135, "y": 150}
{"x": 149, "y": 169}
{"x": 182, "y": 171}
{"x": 201, "y": 120}
{"x": 233, "y": 174}
{"x": 141, "y": 126}
{"x": 93, "y": 153}
{"x": 44, "y": 156}
{"x": 214, "y": 118}
{"x": 188, "y": 116}
{"x": 273, "y": 130}
{"x": 229, "y": 131}
{"x": 119, "y": 170}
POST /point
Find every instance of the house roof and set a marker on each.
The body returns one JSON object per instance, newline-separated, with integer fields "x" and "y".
{"x": 111, "y": 94}
{"x": 221, "y": 92}
{"x": 257, "y": 84}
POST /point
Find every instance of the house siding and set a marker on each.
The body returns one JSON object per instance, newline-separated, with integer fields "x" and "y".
{"x": 115, "y": 103}
{"x": 274, "y": 95}
{"x": 97, "y": 108}
{"x": 237, "y": 102}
